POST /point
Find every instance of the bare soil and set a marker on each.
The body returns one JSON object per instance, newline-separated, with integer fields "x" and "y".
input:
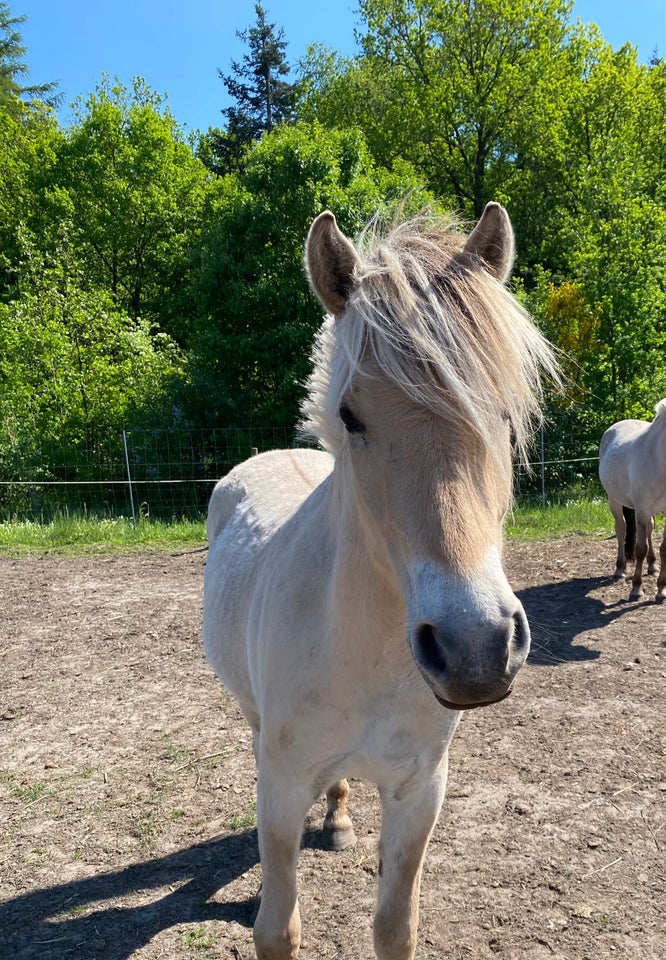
{"x": 127, "y": 780}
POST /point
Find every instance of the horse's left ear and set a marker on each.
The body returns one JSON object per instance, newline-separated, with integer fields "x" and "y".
{"x": 330, "y": 260}
{"x": 492, "y": 241}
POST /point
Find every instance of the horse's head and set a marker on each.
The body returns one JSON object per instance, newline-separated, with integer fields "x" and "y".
{"x": 421, "y": 377}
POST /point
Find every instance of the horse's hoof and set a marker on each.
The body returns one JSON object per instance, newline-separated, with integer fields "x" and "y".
{"x": 635, "y": 594}
{"x": 660, "y": 598}
{"x": 338, "y": 839}
{"x": 618, "y": 575}
{"x": 653, "y": 571}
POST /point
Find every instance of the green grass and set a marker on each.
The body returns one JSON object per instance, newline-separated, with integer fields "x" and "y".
{"x": 587, "y": 518}
{"x": 75, "y": 535}
{"x": 26, "y": 793}
{"x": 245, "y": 821}
{"x": 69, "y": 535}
{"x": 198, "y": 939}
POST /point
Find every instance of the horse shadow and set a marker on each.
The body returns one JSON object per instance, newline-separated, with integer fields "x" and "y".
{"x": 48, "y": 923}
{"x": 560, "y": 613}
{"x": 44, "y": 924}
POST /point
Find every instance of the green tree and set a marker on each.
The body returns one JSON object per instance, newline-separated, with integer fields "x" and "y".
{"x": 264, "y": 97}
{"x": 13, "y": 67}
{"x": 451, "y": 85}
{"x": 603, "y": 227}
{"x": 257, "y": 316}
{"x": 73, "y": 367}
{"x": 128, "y": 192}
{"x": 29, "y": 141}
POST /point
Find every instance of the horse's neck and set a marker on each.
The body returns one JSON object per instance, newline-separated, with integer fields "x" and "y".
{"x": 367, "y": 589}
{"x": 655, "y": 439}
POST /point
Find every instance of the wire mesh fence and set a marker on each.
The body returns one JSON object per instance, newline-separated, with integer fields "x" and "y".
{"x": 159, "y": 473}
{"x": 168, "y": 474}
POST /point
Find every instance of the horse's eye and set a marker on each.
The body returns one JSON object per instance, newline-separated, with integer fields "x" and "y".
{"x": 351, "y": 422}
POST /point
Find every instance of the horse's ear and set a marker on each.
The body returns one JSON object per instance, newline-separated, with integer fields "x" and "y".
{"x": 492, "y": 241}
{"x": 330, "y": 260}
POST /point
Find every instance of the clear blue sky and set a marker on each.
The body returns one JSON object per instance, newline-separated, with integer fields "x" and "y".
{"x": 177, "y": 47}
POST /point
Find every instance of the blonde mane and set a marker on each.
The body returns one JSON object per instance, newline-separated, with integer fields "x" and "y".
{"x": 442, "y": 327}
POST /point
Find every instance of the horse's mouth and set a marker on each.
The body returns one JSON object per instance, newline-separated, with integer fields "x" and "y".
{"x": 451, "y": 705}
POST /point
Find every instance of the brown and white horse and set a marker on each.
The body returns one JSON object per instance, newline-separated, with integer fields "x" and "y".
{"x": 355, "y": 600}
{"x": 632, "y": 469}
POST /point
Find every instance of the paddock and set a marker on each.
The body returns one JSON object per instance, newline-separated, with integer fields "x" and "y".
{"x": 127, "y": 780}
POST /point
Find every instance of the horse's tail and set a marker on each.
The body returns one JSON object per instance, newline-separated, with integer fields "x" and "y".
{"x": 630, "y": 536}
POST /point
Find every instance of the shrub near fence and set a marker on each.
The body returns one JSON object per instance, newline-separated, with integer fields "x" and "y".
{"x": 171, "y": 473}
{"x": 160, "y": 473}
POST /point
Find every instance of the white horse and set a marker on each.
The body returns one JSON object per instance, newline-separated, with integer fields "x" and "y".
{"x": 632, "y": 469}
{"x": 354, "y": 599}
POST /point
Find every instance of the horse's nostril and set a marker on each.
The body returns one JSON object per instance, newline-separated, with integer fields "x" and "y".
{"x": 427, "y": 651}
{"x": 521, "y": 632}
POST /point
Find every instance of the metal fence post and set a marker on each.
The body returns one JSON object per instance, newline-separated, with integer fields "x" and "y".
{"x": 129, "y": 480}
{"x": 543, "y": 471}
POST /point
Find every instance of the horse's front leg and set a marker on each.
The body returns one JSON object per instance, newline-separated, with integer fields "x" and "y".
{"x": 661, "y": 580}
{"x": 281, "y": 810}
{"x": 643, "y": 526}
{"x": 408, "y": 818}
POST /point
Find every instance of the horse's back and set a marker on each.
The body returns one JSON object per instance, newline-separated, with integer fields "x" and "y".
{"x": 619, "y": 459}
{"x": 247, "y": 508}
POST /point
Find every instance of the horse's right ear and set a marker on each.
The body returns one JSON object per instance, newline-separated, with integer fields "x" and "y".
{"x": 492, "y": 241}
{"x": 330, "y": 260}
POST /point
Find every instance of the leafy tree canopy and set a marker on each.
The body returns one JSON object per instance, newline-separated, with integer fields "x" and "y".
{"x": 73, "y": 367}
{"x": 128, "y": 192}
{"x": 257, "y": 315}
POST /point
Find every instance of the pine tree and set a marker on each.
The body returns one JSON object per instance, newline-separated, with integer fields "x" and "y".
{"x": 264, "y": 98}
{"x": 13, "y": 66}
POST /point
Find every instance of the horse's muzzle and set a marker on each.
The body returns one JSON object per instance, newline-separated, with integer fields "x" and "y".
{"x": 472, "y": 667}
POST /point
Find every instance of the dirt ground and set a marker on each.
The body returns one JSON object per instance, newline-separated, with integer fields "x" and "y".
{"x": 127, "y": 780}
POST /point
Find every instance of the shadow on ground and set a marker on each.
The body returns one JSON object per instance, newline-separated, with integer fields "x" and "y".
{"x": 562, "y": 613}
{"x": 48, "y": 924}
{"x": 44, "y": 923}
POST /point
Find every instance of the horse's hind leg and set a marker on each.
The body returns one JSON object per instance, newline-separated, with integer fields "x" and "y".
{"x": 643, "y": 527}
{"x": 651, "y": 555}
{"x": 619, "y": 517}
{"x": 661, "y": 580}
{"x": 338, "y": 832}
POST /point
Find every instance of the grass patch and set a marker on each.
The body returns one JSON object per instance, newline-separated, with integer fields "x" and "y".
{"x": 198, "y": 939}
{"x": 26, "y": 793}
{"x": 246, "y": 820}
{"x": 586, "y": 518}
{"x": 70, "y": 535}
{"x": 175, "y": 752}
{"x": 146, "y": 829}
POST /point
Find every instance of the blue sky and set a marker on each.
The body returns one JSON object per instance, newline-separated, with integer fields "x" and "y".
{"x": 177, "y": 47}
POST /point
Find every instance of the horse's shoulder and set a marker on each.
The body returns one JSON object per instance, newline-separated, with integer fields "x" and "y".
{"x": 267, "y": 487}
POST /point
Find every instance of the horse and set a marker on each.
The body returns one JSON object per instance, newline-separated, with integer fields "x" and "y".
{"x": 632, "y": 470}
{"x": 354, "y": 596}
